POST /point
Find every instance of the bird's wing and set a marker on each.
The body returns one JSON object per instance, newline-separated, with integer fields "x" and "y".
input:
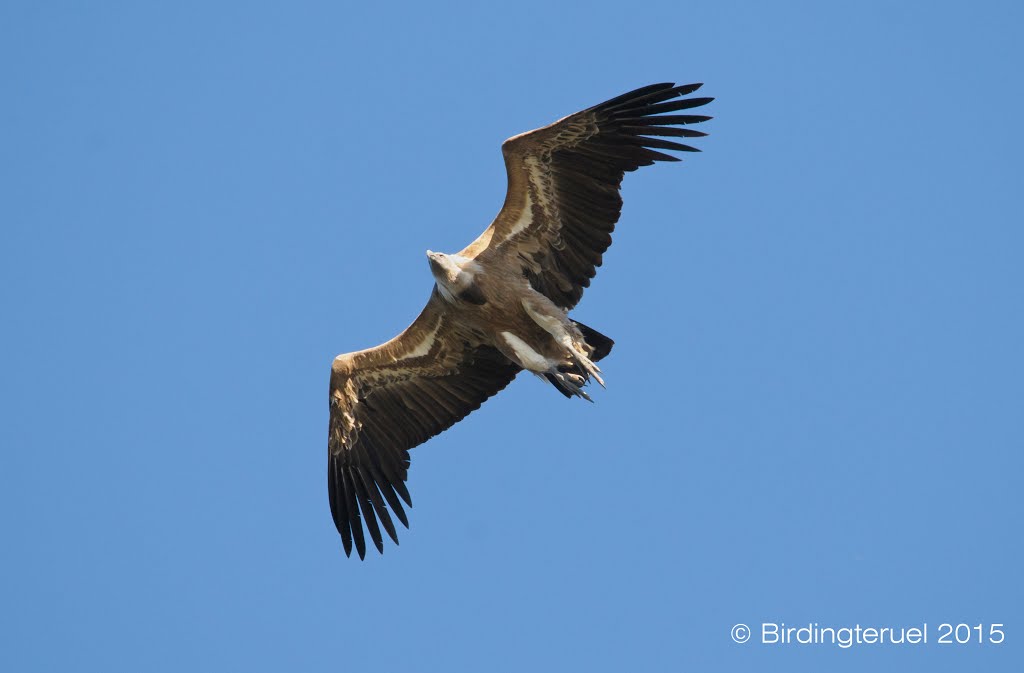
{"x": 388, "y": 399}
{"x": 563, "y": 196}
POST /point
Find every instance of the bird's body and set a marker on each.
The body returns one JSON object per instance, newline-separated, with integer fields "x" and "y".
{"x": 499, "y": 306}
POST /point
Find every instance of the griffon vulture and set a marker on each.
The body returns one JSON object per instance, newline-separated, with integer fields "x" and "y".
{"x": 498, "y": 306}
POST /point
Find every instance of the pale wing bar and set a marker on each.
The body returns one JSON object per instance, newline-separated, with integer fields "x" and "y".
{"x": 581, "y": 163}
{"x": 367, "y": 468}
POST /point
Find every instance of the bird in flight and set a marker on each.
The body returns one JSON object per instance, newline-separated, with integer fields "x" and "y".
{"x": 498, "y": 306}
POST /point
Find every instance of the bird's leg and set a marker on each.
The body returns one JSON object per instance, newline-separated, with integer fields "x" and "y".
{"x": 555, "y": 322}
{"x": 566, "y": 379}
{"x": 587, "y": 364}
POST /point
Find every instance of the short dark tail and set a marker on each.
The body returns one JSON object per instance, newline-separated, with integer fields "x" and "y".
{"x": 601, "y": 344}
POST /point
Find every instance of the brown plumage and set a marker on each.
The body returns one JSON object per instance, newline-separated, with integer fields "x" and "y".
{"x": 499, "y": 306}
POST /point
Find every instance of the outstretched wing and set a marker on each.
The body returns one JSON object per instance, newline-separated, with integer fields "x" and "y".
{"x": 563, "y": 196}
{"x": 388, "y": 399}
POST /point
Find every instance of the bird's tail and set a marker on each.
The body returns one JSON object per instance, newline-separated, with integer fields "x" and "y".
{"x": 601, "y": 344}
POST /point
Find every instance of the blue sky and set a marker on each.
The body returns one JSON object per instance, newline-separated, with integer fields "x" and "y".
{"x": 814, "y": 406}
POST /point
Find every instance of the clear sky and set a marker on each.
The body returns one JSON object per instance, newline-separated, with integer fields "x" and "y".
{"x": 815, "y": 405}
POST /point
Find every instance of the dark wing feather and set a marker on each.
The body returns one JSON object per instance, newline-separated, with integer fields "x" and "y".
{"x": 388, "y": 399}
{"x": 563, "y": 195}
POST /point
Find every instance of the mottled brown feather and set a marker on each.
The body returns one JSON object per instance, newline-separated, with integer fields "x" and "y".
{"x": 563, "y": 195}
{"x": 389, "y": 399}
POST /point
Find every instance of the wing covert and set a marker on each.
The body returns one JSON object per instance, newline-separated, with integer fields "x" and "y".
{"x": 389, "y": 399}
{"x": 563, "y": 198}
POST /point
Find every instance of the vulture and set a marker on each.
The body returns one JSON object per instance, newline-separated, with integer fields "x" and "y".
{"x": 499, "y": 306}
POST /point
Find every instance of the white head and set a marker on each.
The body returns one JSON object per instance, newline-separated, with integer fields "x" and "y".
{"x": 454, "y": 274}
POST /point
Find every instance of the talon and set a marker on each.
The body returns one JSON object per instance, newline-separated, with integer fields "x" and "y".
{"x": 592, "y": 370}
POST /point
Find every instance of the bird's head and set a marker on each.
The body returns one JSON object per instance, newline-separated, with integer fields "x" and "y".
{"x": 452, "y": 272}
{"x": 441, "y": 267}
{"x": 445, "y": 272}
